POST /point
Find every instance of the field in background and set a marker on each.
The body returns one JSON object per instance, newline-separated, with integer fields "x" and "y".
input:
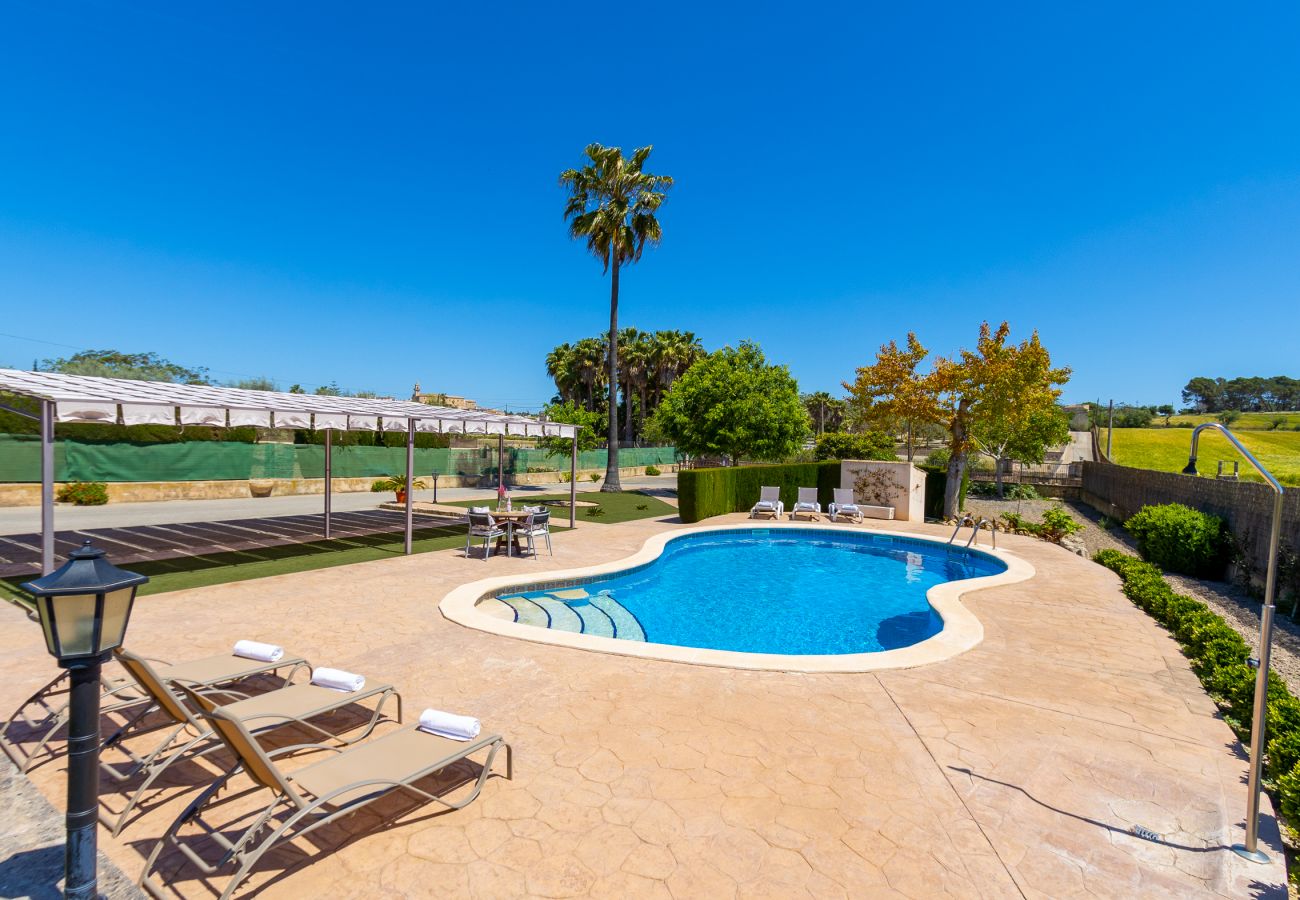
{"x": 1251, "y": 421}
{"x": 1165, "y": 450}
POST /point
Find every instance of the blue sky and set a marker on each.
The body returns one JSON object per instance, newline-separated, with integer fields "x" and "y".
{"x": 367, "y": 193}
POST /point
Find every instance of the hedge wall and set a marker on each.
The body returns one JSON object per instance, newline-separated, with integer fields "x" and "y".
{"x": 702, "y": 493}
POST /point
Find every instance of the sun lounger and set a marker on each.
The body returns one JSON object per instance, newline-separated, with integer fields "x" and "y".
{"x": 806, "y": 504}
{"x": 314, "y": 795}
{"x": 844, "y": 505}
{"x": 42, "y": 716}
{"x": 769, "y": 503}
{"x": 294, "y": 704}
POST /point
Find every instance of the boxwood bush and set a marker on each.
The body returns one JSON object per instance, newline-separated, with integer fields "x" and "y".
{"x": 1218, "y": 656}
{"x": 83, "y": 493}
{"x": 1181, "y": 539}
{"x": 702, "y": 493}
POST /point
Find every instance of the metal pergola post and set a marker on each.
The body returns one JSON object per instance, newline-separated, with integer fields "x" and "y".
{"x": 573, "y": 481}
{"x": 410, "y": 479}
{"x": 329, "y": 445}
{"x": 47, "y": 487}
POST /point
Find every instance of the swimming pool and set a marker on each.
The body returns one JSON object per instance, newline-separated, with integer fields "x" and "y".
{"x": 780, "y": 591}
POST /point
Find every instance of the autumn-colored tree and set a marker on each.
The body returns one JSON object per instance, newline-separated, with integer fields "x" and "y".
{"x": 891, "y": 394}
{"x": 999, "y": 399}
{"x": 1016, "y": 415}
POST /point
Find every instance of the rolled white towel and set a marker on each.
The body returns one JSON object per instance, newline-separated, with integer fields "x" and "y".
{"x": 449, "y": 725}
{"x": 259, "y": 651}
{"x": 337, "y": 679}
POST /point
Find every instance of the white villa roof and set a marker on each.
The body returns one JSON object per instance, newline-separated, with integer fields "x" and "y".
{"x": 85, "y": 398}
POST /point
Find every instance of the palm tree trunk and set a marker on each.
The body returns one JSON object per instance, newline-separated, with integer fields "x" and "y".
{"x": 612, "y": 482}
{"x": 645, "y": 398}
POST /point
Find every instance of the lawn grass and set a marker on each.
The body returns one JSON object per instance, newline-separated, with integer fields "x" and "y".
{"x": 618, "y": 507}
{"x": 1166, "y": 449}
{"x": 1250, "y": 421}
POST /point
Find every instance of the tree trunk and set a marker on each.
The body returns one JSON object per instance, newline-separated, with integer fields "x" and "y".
{"x": 997, "y": 474}
{"x": 909, "y": 440}
{"x": 956, "y": 462}
{"x": 640, "y": 413}
{"x": 612, "y": 482}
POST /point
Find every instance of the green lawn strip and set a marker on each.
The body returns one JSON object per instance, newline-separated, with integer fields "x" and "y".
{"x": 1166, "y": 449}
{"x": 1249, "y": 421}
{"x": 620, "y": 507}
{"x": 184, "y": 572}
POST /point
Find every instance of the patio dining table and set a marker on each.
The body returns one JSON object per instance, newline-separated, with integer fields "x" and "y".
{"x": 509, "y": 517}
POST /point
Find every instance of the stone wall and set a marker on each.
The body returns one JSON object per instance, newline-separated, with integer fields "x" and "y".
{"x": 1120, "y": 491}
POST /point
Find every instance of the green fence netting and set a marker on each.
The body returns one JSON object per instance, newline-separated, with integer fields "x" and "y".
{"x": 20, "y": 460}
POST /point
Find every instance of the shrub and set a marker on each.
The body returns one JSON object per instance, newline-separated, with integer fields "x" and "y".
{"x": 594, "y": 476}
{"x": 652, "y": 470}
{"x": 379, "y": 486}
{"x": 83, "y": 493}
{"x": 702, "y": 493}
{"x": 843, "y": 445}
{"x": 939, "y": 458}
{"x": 1181, "y": 539}
{"x": 564, "y": 477}
{"x": 1021, "y": 492}
{"x": 596, "y": 512}
{"x": 1057, "y": 523}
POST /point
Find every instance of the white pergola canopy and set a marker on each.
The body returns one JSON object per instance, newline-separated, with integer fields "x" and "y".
{"x": 86, "y": 398}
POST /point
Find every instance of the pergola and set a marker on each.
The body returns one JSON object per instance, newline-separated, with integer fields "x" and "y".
{"x": 85, "y": 398}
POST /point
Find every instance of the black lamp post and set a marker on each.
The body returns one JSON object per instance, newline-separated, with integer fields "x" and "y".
{"x": 84, "y": 606}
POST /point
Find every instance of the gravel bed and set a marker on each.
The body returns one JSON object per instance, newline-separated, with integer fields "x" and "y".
{"x": 1094, "y": 536}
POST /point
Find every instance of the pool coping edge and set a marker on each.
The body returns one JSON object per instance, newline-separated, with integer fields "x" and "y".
{"x": 961, "y": 629}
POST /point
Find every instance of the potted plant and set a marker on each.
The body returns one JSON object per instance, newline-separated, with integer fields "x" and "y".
{"x": 397, "y": 484}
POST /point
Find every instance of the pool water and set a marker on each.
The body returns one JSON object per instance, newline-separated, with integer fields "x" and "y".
{"x": 775, "y": 591}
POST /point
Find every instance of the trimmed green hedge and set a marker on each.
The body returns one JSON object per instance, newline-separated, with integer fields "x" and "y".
{"x": 1218, "y": 656}
{"x": 1182, "y": 539}
{"x": 702, "y": 493}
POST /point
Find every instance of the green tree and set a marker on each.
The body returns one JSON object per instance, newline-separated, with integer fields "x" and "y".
{"x": 843, "y": 445}
{"x": 1165, "y": 411}
{"x": 1228, "y": 416}
{"x": 135, "y": 366}
{"x": 734, "y": 404}
{"x": 571, "y": 414}
{"x": 612, "y": 205}
{"x": 827, "y": 412}
{"x": 259, "y": 383}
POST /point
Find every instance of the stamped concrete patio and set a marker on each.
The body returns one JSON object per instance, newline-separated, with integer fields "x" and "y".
{"x": 1016, "y": 769}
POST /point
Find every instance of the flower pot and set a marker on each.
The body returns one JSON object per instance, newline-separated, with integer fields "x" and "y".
{"x": 261, "y": 487}
{"x": 401, "y": 496}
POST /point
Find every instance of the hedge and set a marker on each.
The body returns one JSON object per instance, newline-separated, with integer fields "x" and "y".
{"x": 1182, "y": 539}
{"x": 702, "y": 493}
{"x": 1218, "y": 655}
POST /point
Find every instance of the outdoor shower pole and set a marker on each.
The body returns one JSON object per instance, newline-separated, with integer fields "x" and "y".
{"x": 1250, "y": 849}
{"x": 47, "y": 487}
{"x": 410, "y": 479}
{"x": 573, "y": 478}
{"x": 329, "y": 443}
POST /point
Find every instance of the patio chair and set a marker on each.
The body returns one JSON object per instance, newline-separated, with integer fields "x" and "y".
{"x": 482, "y": 525}
{"x": 293, "y": 704}
{"x": 538, "y": 524}
{"x": 806, "y": 504}
{"x": 49, "y": 706}
{"x": 844, "y": 505}
{"x": 769, "y": 502}
{"x": 315, "y": 795}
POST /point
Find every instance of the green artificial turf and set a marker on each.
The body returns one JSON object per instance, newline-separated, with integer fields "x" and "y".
{"x": 620, "y": 507}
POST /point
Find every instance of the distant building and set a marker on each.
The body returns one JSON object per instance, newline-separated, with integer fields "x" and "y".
{"x": 442, "y": 399}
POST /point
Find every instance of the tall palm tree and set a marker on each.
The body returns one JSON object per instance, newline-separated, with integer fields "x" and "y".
{"x": 560, "y": 366}
{"x": 612, "y": 205}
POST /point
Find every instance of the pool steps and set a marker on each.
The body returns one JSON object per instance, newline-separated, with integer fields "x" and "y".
{"x": 598, "y": 614}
